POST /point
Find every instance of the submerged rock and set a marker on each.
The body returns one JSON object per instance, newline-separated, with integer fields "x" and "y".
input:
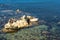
{"x": 8, "y": 30}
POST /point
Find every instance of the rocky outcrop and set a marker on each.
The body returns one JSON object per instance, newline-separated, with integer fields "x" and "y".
{"x": 24, "y": 21}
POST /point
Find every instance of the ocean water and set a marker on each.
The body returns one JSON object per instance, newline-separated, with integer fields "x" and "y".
{"x": 47, "y": 12}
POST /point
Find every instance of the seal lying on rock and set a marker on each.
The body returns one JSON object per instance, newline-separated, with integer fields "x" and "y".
{"x": 24, "y": 21}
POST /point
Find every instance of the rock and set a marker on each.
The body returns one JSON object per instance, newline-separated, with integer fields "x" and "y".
{"x": 17, "y": 10}
{"x": 8, "y": 30}
{"x": 33, "y": 20}
{"x": 23, "y": 22}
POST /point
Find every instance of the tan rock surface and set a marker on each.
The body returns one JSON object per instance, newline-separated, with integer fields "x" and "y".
{"x": 19, "y": 24}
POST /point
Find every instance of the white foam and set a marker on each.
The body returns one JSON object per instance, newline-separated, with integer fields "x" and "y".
{"x": 6, "y": 11}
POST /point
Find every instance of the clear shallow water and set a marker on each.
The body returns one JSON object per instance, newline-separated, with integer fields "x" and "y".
{"x": 47, "y": 12}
